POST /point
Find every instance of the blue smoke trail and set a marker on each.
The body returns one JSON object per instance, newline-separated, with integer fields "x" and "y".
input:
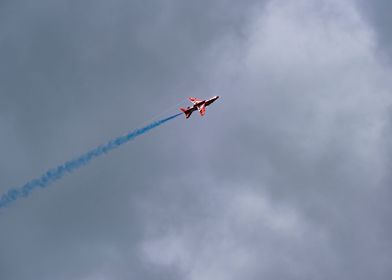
{"x": 56, "y": 173}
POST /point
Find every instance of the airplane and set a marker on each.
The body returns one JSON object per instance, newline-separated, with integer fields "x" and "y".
{"x": 198, "y": 105}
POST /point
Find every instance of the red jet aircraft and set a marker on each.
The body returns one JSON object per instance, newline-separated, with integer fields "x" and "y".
{"x": 198, "y": 105}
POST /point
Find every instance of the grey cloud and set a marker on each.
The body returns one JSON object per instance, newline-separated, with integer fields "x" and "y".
{"x": 285, "y": 177}
{"x": 73, "y": 75}
{"x": 377, "y": 13}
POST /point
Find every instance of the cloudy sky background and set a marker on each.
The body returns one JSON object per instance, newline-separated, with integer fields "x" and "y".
{"x": 287, "y": 176}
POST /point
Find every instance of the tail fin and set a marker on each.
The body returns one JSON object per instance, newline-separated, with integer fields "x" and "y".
{"x": 187, "y": 112}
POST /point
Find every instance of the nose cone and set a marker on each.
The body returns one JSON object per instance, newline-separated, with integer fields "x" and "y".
{"x": 216, "y": 97}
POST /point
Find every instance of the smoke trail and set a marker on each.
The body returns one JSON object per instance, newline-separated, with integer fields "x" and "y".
{"x": 56, "y": 173}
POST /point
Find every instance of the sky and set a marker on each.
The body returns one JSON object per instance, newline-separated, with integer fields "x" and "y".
{"x": 286, "y": 177}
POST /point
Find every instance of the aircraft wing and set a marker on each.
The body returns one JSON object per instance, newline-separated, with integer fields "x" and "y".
{"x": 194, "y": 100}
{"x": 202, "y": 109}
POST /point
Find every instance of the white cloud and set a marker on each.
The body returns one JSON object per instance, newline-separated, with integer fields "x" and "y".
{"x": 306, "y": 76}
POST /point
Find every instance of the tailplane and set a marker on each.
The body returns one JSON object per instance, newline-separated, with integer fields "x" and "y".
{"x": 187, "y": 112}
